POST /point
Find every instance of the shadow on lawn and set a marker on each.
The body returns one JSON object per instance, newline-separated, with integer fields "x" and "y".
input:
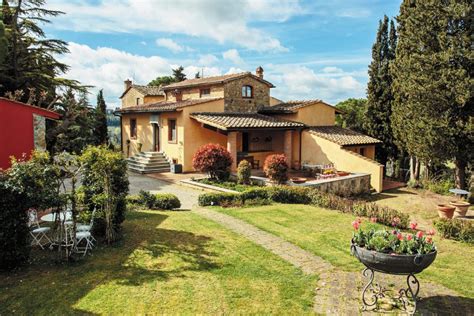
{"x": 446, "y": 305}
{"x": 45, "y": 286}
{"x": 390, "y": 194}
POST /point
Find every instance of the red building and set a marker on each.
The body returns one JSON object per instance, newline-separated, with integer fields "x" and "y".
{"x": 22, "y": 129}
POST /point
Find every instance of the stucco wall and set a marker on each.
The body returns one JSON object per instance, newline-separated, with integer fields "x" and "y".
{"x": 153, "y": 98}
{"x": 144, "y": 133}
{"x": 317, "y": 150}
{"x": 130, "y": 98}
{"x": 369, "y": 150}
{"x": 195, "y": 135}
{"x": 317, "y": 114}
{"x": 233, "y": 95}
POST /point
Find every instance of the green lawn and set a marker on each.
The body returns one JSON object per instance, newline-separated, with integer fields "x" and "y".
{"x": 168, "y": 263}
{"x": 327, "y": 234}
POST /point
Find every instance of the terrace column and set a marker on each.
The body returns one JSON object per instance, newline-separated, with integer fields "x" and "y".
{"x": 288, "y": 147}
{"x": 232, "y": 148}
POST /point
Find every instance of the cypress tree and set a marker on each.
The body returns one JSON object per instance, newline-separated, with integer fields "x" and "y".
{"x": 379, "y": 91}
{"x": 101, "y": 120}
{"x": 432, "y": 82}
{"x": 178, "y": 74}
{"x": 30, "y": 63}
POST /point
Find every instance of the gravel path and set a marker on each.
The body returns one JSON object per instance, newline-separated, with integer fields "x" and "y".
{"x": 338, "y": 292}
{"x": 187, "y": 196}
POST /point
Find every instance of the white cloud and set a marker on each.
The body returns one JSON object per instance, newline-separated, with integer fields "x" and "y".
{"x": 332, "y": 69}
{"x": 208, "y": 59}
{"x": 233, "y": 55}
{"x": 223, "y": 21}
{"x": 169, "y": 44}
{"x": 234, "y": 70}
{"x": 301, "y": 82}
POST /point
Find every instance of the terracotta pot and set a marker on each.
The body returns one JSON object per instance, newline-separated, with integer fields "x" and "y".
{"x": 298, "y": 180}
{"x": 461, "y": 208}
{"x": 445, "y": 211}
{"x": 342, "y": 173}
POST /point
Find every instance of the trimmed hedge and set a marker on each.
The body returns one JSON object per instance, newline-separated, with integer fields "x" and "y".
{"x": 305, "y": 195}
{"x": 160, "y": 201}
{"x": 456, "y": 229}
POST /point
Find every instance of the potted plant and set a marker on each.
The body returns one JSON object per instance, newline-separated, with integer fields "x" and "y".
{"x": 392, "y": 251}
{"x": 445, "y": 211}
{"x": 461, "y": 208}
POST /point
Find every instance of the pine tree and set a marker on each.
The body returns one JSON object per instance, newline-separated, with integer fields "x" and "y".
{"x": 379, "y": 91}
{"x": 100, "y": 130}
{"x": 30, "y": 63}
{"x": 354, "y": 114}
{"x": 432, "y": 82}
{"x": 178, "y": 74}
{"x": 3, "y": 40}
{"x": 161, "y": 80}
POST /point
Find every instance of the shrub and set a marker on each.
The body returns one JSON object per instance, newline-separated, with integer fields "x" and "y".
{"x": 147, "y": 199}
{"x": 105, "y": 186}
{"x": 457, "y": 229}
{"x": 440, "y": 186}
{"x": 289, "y": 195}
{"x": 256, "y": 193}
{"x": 244, "y": 172}
{"x": 276, "y": 168}
{"x": 219, "y": 199}
{"x": 381, "y": 214}
{"x": 213, "y": 159}
{"x": 14, "y": 234}
{"x": 133, "y": 199}
{"x": 257, "y": 202}
{"x": 166, "y": 201}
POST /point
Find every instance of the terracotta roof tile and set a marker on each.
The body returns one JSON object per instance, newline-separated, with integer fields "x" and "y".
{"x": 229, "y": 121}
{"x": 164, "y": 106}
{"x": 292, "y": 106}
{"x": 343, "y": 136}
{"x": 211, "y": 80}
{"x": 145, "y": 90}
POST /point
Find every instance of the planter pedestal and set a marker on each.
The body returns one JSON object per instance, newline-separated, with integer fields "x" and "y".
{"x": 373, "y": 291}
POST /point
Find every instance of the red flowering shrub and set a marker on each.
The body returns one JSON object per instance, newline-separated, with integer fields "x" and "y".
{"x": 213, "y": 159}
{"x": 276, "y": 168}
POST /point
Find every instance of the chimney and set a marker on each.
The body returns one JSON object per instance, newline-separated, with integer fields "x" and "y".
{"x": 127, "y": 84}
{"x": 259, "y": 72}
{"x": 178, "y": 95}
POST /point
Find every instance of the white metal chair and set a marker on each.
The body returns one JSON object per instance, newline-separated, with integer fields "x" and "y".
{"x": 87, "y": 227}
{"x": 85, "y": 238}
{"x": 37, "y": 232}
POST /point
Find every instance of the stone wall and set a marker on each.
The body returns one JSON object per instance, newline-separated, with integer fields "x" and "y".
{"x": 345, "y": 186}
{"x": 233, "y": 95}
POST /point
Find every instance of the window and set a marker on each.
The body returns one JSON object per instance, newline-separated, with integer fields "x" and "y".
{"x": 172, "y": 132}
{"x": 247, "y": 92}
{"x": 138, "y": 101}
{"x": 362, "y": 151}
{"x": 133, "y": 128}
{"x": 205, "y": 92}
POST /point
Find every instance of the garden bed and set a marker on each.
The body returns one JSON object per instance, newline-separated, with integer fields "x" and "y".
{"x": 220, "y": 186}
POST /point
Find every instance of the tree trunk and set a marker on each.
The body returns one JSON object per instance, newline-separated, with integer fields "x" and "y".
{"x": 460, "y": 173}
{"x": 417, "y": 169}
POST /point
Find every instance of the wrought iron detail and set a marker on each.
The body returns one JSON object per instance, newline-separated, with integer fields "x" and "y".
{"x": 373, "y": 291}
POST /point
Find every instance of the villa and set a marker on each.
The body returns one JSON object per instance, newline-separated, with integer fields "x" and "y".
{"x": 238, "y": 112}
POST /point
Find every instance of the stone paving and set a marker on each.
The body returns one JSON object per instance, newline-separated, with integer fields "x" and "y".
{"x": 338, "y": 292}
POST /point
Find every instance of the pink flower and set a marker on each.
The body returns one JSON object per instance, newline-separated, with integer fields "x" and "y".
{"x": 419, "y": 234}
{"x": 400, "y": 236}
{"x": 356, "y": 224}
{"x": 413, "y": 225}
{"x": 431, "y": 232}
{"x": 395, "y": 221}
{"x": 429, "y": 239}
{"x": 373, "y": 219}
{"x": 409, "y": 237}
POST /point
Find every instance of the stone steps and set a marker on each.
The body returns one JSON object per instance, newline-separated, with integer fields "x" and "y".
{"x": 149, "y": 162}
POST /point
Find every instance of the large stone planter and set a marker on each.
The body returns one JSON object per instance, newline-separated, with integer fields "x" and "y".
{"x": 460, "y": 208}
{"x": 445, "y": 211}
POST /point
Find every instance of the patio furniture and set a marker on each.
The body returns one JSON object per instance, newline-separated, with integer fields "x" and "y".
{"x": 39, "y": 233}
{"x": 84, "y": 237}
{"x": 87, "y": 227}
{"x": 461, "y": 193}
{"x": 51, "y": 217}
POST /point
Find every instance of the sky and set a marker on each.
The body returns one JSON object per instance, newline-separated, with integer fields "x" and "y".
{"x": 317, "y": 49}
